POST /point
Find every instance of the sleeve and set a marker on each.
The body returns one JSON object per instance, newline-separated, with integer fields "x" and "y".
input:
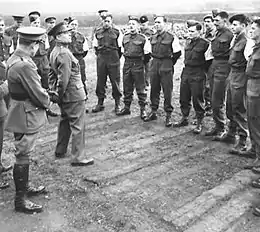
{"x": 3, "y": 89}
{"x": 176, "y": 47}
{"x": 147, "y": 46}
{"x": 63, "y": 73}
{"x": 31, "y": 81}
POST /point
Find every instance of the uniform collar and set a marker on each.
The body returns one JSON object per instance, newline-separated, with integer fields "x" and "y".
{"x": 21, "y": 53}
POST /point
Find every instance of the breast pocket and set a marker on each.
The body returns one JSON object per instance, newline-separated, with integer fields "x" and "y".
{"x": 197, "y": 53}
{"x": 223, "y": 44}
{"x": 75, "y": 66}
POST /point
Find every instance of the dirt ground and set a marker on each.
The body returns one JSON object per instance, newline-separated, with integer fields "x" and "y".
{"x": 146, "y": 177}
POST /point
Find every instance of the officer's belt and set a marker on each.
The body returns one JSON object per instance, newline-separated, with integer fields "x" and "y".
{"x": 161, "y": 58}
{"x": 19, "y": 96}
{"x": 221, "y": 58}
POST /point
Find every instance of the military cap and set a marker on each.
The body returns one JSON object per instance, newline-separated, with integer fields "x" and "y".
{"x": 191, "y": 22}
{"x": 71, "y": 19}
{"x": 163, "y": 16}
{"x": 143, "y": 19}
{"x": 58, "y": 29}
{"x": 31, "y": 33}
{"x": 130, "y": 17}
{"x": 222, "y": 14}
{"x": 240, "y": 18}
{"x": 50, "y": 19}
{"x": 208, "y": 16}
{"x": 101, "y": 11}
{"x": 18, "y": 18}
{"x": 34, "y": 13}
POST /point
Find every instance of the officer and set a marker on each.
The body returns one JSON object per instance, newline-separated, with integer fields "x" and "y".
{"x": 50, "y": 23}
{"x": 11, "y": 31}
{"x": 209, "y": 35}
{"x": 27, "y": 112}
{"x": 79, "y": 48}
{"x": 218, "y": 73}
{"x": 193, "y": 77}
{"x": 165, "y": 52}
{"x": 236, "y": 88}
{"x": 107, "y": 44}
{"x": 253, "y": 97}
{"x": 148, "y": 32}
{"x": 70, "y": 96}
{"x": 136, "y": 50}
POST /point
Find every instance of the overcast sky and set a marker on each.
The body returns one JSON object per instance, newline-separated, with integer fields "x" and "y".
{"x": 156, "y": 6}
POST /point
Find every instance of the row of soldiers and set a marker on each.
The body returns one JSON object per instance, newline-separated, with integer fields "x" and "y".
{"x": 218, "y": 57}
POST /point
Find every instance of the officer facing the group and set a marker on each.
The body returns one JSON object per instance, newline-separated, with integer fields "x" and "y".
{"x": 236, "y": 88}
{"x": 165, "y": 52}
{"x": 27, "y": 112}
{"x": 12, "y": 30}
{"x": 107, "y": 44}
{"x": 218, "y": 73}
{"x": 70, "y": 96}
{"x": 193, "y": 77}
{"x": 136, "y": 50}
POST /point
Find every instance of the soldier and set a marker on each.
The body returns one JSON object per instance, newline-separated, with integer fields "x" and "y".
{"x": 50, "y": 23}
{"x": 209, "y": 35}
{"x": 193, "y": 77}
{"x": 27, "y": 113}
{"x": 70, "y": 96}
{"x": 136, "y": 50}
{"x": 218, "y": 73}
{"x": 11, "y": 31}
{"x": 107, "y": 44}
{"x": 236, "y": 88}
{"x": 79, "y": 48}
{"x": 148, "y": 32}
{"x": 165, "y": 52}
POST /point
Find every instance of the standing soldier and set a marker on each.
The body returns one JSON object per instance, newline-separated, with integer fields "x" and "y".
{"x": 165, "y": 52}
{"x": 236, "y": 90}
{"x": 218, "y": 73}
{"x": 79, "y": 48}
{"x": 70, "y": 96}
{"x": 193, "y": 77}
{"x": 102, "y": 14}
{"x": 148, "y": 32}
{"x": 136, "y": 50}
{"x": 50, "y": 23}
{"x": 209, "y": 35}
{"x": 11, "y": 31}
{"x": 27, "y": 113}
{"x": 107, "y": 44}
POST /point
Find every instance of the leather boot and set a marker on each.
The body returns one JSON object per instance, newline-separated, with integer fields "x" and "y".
{"x": 198, "y": 128}
{"x": 183, "y": 122}
{"x": 250, "y": 153}
{"x": 20, "y": 174}
{"x": 124, "y": 111}
{"x": 117, "y": 104}
{"x": 168, "y": 122}
{"x": 228, "y": 137}
{"x": 99, "y": 107}
{"x": 143, "y": 113}
{"x": 239, "y": 147}
{"x": 151, "y": 116}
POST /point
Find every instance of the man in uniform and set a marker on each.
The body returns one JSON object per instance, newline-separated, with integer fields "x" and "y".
{"x": 236, "y": 88}
{"x": 148, "y": 32}
{"x": 107, "y": 44}
{"x": 218, "y": 73}
{"x": 11, "y": 31}
{"x": 50, "y": 23}
{"x": 209, "y": 35}
{"x": 165, "y": 52}
{"x": 79, "y": 48}
{"x": 27, "y": 112}
{"x": 193, "y": 77}
{"x": 70, "y": 96}
{"x": 136, "y": 50}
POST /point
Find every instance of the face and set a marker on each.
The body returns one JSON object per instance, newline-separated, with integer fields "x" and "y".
{"x": 133, "y": 26}
{"x": 144, "y": 25}
{"x": 193, "y": 33}
{"x": 50, "y": 24}
{"x": 36, "y": 23}
{"x": 2, "y": 27}
{"x": 159, "y": 24}
{"x": 209, "y": 24}
{"x": 64, "y": 37}
{"x": 255, "y": 32}
{"x": 74, "y": 25}
{"x": 219, "y": 22}
{"x": 237, "y": 27}
{"x": 18, "y": 23}
{"x": 107, "y": 22}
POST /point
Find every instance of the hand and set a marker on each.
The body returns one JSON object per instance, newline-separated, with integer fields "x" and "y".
{"x": 54, "y": 97}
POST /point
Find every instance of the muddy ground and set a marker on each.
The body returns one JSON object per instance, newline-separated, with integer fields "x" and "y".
{"x": 146, "y": 177}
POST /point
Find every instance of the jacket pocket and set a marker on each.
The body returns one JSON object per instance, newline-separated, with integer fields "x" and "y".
{"x": 35, "y": 116}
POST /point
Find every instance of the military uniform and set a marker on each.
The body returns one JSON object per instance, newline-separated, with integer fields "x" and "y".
{"x": 108, "y": 43}
{"x": 12, "y": 32}
{"x": 218, "y": 74}
{"x": 192, "y": 80}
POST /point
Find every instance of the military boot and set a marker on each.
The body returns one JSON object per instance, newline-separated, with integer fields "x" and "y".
{"x": 143, "y": 113}
{"x": 198, "y": 128}
{"x": 183, "y": 122}
{"x": 20, "y": 174}
{"x": 239, "y": 147}
{"x": 151, "y": 116}
{"x": 117, "y": 104}
{"x": 168, "y": 122}
{"x": 228, "y": 137}
{"x": 124, "y": 111}
{"x": 99, "y": 107}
